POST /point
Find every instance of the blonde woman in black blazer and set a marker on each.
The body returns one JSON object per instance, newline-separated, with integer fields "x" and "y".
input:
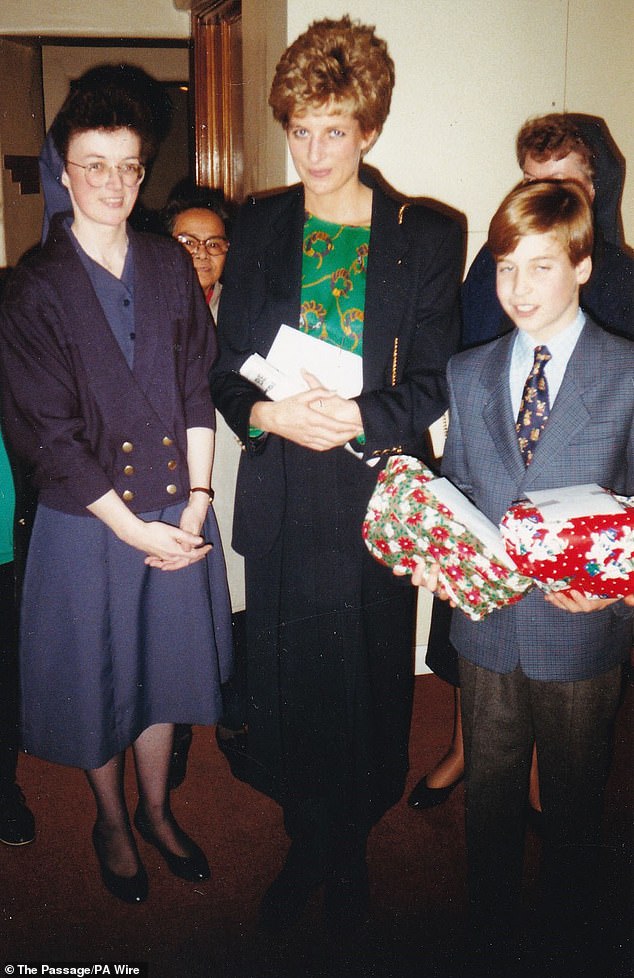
{"x": 329, "y": 630}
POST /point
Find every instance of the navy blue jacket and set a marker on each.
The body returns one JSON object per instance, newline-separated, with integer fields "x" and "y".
{"x": 72, "y": 408}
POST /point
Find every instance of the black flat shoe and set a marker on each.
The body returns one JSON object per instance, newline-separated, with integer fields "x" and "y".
{"x": 130, "y": 889}
{"x": 193, "y": 868}
{"x": 423, "y": 796}
{"x": 286, "y": 898}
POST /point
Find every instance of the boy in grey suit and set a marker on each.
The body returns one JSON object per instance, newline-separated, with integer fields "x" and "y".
{"x": 547, "y": 669}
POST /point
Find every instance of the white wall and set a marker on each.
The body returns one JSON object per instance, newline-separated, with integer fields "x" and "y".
{"x": 108, "y": 18}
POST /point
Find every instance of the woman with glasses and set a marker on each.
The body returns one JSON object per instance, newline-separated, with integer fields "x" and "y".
{"x": 330, "y": 631}
{"x": 105, "y": 352}
{"x": 198, "y": 217}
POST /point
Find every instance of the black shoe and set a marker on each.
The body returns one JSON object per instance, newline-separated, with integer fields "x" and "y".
{"x": 130, "y": 889}
{"x": 180, "y": 755}
{"x": 193, "y": 868}
{"x": 285, "y": 900}
{"x": 17, "y": 824}
{"x": 423, "y": 796}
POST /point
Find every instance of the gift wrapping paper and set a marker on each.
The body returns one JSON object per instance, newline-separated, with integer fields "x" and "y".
{"x": 592, "y": 554}
{"x": 405, "y": 521}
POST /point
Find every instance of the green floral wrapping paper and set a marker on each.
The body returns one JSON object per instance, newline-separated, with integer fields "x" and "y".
{"x": 405, "y": 521}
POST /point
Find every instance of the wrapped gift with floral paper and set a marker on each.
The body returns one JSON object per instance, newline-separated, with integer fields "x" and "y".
{"x": 412, "y": 514}
{"x": 579, "y": 537}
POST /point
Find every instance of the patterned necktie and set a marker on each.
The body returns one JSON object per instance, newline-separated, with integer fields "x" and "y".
{"x": 535, "y": 408}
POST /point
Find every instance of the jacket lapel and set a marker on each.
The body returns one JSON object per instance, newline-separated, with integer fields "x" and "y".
{"x": 498, "y": 410}
{"x": 152, "y": 301}
{"x": 385, "y": 296}
{"x": 283, "y": 256}
{"x": 111, "y": 381}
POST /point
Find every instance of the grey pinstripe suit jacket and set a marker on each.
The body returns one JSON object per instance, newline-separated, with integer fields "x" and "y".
{"x": 589, "y": 437}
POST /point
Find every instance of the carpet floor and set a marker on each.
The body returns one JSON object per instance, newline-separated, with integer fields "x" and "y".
{"x": 53, "y": 907}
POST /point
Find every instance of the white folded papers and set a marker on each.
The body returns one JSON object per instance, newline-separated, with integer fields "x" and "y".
{"x": 279, "y": 374}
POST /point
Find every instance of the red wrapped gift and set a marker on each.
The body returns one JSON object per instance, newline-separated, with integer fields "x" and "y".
{"x": 592, "y": 553}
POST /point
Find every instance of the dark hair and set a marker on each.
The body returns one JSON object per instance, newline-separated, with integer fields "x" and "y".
{"x": 560, "y": 207}
{"x": 186, "y": 195}
{"x": 115, "y": 96}
{"x": 554, "y": 136}
{"x": 339, "y": 61}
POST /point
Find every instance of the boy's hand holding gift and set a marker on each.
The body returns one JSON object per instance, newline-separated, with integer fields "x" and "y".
{"x": 414, "y": 518}
{"x": 576, "y": 543}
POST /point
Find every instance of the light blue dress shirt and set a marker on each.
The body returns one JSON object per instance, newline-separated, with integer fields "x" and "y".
{"x": 560, "y": 348}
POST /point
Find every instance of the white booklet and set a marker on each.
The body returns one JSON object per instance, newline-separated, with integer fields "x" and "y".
{"x": 279, "y": 374}
{"x": 471, "y": 517}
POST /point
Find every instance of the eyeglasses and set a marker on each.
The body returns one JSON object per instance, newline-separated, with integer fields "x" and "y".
{"x": 98, "y": 173}
{"x": 213, "y": 246}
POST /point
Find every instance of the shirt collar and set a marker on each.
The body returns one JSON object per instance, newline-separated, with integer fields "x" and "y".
{"x": 560, "y": 345}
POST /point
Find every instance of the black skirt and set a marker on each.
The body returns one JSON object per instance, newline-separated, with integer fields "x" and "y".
{"x": 330, "y": 651}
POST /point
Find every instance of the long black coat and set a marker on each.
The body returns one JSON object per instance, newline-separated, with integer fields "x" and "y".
{"x": 330, "y": 631}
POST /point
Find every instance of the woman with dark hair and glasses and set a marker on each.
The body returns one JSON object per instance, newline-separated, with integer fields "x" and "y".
{"x": 198, "y": 217}
{"x": 105, "y": 351}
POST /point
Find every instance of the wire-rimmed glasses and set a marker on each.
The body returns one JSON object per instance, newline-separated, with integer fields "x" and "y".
{"x": 214, "y": 246}
{"x": 98, "y": 172}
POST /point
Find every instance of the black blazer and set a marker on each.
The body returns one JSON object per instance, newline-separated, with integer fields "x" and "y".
{"x": 411, "y": 328}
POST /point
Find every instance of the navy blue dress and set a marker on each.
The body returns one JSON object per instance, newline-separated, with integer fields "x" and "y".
{"x": 110, "y": 646}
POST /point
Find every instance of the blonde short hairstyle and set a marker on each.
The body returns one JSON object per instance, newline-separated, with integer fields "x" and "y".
{"x": 341, "y": 62}
{"x": 559, "y": 207}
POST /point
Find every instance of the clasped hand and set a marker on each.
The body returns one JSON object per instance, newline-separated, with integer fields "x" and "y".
{"x": 317, "y": 418}
{"x": 175, "y": 547}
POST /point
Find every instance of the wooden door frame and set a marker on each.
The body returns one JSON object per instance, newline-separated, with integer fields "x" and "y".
{"x": 218, "y": 112}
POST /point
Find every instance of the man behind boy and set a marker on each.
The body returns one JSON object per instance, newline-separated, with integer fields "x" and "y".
{"x": 562, "y": 146}
{"x": 549, "y": 405}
